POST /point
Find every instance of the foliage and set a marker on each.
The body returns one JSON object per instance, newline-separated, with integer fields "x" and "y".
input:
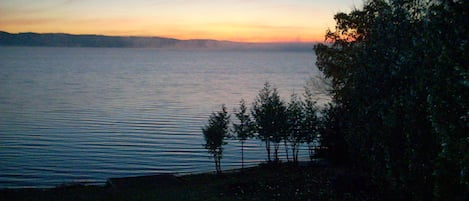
{"x": 332, "y": 139}
{"x": 295, "y": 120}
{"x": 269, "y": 113}
{"x": 311, "y": 122}
{"x": 215, "y": 133}
{"x": 245, "y": 128}
{"x": 399, "y": 71}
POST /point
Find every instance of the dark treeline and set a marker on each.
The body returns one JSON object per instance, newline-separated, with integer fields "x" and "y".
{"x": 399, "y": 71}
{"x": 271, "y": 120}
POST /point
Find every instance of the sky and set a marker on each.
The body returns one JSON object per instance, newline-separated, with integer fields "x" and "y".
{"x": 233, "y": 20}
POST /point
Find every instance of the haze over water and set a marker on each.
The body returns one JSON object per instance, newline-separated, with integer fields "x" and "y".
{"x": 89, "y": 114}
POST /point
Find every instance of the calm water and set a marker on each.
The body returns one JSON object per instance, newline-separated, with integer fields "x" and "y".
{"x": 85, "y": 115}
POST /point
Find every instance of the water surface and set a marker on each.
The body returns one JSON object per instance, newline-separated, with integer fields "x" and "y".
{"x": 88, "y": 114}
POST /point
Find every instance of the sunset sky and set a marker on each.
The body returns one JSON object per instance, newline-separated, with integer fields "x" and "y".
{"x": 234, "y": 20}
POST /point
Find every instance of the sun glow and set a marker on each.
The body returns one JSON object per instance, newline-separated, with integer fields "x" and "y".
{"x": 233, "y": 20}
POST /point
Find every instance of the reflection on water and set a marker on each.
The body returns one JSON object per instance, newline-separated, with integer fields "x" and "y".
{"x": 84, "y": 115}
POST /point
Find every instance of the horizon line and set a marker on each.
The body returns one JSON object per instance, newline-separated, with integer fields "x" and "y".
{"x": 165, "y": 37}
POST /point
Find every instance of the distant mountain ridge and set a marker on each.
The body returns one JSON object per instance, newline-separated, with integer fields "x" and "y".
{"x": 71, "y": 40}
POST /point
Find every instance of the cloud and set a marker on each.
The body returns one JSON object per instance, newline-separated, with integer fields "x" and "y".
{"x": 258, "y": 26}
{"x": 26, "y": 21}
{"x": 71, "y": 2}
{"x": 295, "y": 20}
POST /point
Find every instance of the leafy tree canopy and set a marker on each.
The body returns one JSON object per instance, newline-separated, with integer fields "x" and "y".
{"x": 399, "y": 71}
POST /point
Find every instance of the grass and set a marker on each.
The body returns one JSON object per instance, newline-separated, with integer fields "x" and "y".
{"x": 265, "y": 182}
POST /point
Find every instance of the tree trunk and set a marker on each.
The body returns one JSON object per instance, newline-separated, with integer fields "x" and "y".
{"x": 219, "y": 164}
{"x": 296, "y": 151}
{"x": 242, "y": 154}
{"x": 215, "y": 158}
{"x": 276, "y": 147}
{"x": 311, "y": 151}
{"x": 267, "y": 147}
{"x": 293, "y": 151}
{"x": 286, "y": 149}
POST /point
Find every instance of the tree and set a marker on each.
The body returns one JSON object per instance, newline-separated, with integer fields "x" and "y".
{"x": 279, "y": 123}
{"x": 331, "y": 127}
{"x": 245, "y": 128}
{"x": 445, "y": 41}
{"x": 310, "y": 124}
{"x": 296, "y": 130}
{"x": 269, "y": 113}
{"x": 215, "y": 133}
{"x": 399, "y": 71}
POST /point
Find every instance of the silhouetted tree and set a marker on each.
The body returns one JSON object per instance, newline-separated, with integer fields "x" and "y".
{"x": 245, "y": 128}
{"x": 215, "y": 133}
{"x": 296, "y": 119}
{"x": 310, "y": 123}
{"x": 331, "y": 126}
{"x": 399, "y": 71}
{"x": 269, "y": 114}
{"x": 280, "y": 122}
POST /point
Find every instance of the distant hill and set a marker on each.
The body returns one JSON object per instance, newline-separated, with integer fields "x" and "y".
{"x": 70, "y": 40}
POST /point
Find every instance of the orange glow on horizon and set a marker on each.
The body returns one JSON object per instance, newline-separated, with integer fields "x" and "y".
{"x": 253, "y": 21}
{"x": 221, "y": 35}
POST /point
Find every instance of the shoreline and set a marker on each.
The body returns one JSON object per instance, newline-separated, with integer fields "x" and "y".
{"x": 266, "y": 181}
{"x": 157, "y": 176}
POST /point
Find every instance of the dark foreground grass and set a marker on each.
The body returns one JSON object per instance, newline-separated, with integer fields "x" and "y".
{"x": 264, "y": 182}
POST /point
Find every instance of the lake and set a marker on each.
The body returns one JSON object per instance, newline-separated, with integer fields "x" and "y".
{"x": 89, "y": 114}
